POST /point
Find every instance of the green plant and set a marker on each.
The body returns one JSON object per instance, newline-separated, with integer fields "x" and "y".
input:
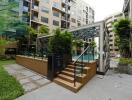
{"x": 7, "y": 16}
{"x": 125, "y": 61}
{"x": 61, "y": 42}
{"x": 122, "y": 29}
{"x": 44, "y": 30}
{"x": 10, "y": 88}
{"x": 93, "y": 44}
{"x": 79, "y": 43}
{"x": 3, "y": 42}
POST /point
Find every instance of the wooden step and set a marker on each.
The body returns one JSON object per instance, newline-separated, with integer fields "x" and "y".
{"x": 71, "y": 74}
{"x": 70, "y": 66}
{"x": 68, "y": 85}
{"x": 66, "y": 78}
{"x": 69, "y": 69}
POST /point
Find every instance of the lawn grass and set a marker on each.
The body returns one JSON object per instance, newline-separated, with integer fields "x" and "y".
{"x": 10, "y": 88}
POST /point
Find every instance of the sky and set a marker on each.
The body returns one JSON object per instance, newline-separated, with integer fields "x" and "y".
{"x": 105, "y": 8}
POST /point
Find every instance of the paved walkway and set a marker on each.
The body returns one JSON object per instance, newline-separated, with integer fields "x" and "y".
{"x": 29, "y": 79}
{"x": 109, "y": 87}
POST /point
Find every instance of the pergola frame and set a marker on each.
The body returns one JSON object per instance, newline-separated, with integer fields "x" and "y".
{"x": 97, "y": 29}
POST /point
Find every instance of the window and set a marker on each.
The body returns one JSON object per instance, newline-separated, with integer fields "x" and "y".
{"x": 56, "y": 23}
{"x": 73, "y": 20}
{"x": 78, "y": 23}
{"x": 55, "y": 13}
{"x": 116, "y": 49}
{"x": 46, "y": 1}
{"x": 110, "y": 40}
{"x": 44, "y": 19}
{"x": 56, "y": 4}
{"x": 111, "y": 44}
{"x": 111, "y": 35}
{"x": 44, "y": 9}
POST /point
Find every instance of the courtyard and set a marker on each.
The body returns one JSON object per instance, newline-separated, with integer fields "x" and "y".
{"x": 65, "y": 50}
{"x": 112, "y": 86}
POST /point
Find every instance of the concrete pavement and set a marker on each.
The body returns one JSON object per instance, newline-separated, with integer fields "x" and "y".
{"x": 109, "y": 87}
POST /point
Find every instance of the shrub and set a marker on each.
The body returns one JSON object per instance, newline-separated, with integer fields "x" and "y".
{"x": 61, "y": 42}
{"x": 125, "y": 61}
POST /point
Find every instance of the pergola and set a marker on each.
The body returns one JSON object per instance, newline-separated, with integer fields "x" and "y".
{"x": 99, "y": 30}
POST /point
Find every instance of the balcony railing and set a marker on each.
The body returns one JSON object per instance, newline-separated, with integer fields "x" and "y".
{"x": 25, "y": 8}
{"x": 35, "y": 18}
{"x": 35, "y": 7}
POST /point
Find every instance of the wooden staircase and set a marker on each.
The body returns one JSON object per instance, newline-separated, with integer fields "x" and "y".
{"x": 66, "y": 77}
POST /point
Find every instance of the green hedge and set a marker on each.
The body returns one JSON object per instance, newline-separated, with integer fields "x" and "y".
{"x": 125, "y": 61}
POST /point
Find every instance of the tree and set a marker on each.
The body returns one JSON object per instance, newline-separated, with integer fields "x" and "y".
{"x": 31, "y": 32}
{"x": 61, "y": 42}
{"x": 44, "y": 30}
{"x": 93, "y": 45}
{"x": 6, "y": 16}
{"x": 122, "y": 29}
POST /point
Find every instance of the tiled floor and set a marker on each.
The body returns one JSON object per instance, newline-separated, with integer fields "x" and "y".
{"x": 29, "y": 79}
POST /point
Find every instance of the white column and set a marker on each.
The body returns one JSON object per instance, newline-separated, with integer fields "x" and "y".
{"x": 101, "y": 66}
{"x": 130, "y": 10}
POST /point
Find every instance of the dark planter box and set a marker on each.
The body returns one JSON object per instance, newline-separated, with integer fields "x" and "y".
{"x": 122, "y": 68}
{"x": 125, "y": 68}
{"x": 129, "y": 71}
{"x": 56, "y": 63}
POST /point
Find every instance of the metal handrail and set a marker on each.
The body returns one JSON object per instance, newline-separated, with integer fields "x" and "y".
{"x": 82, "y": 64}
{"x": 81, "y": 54}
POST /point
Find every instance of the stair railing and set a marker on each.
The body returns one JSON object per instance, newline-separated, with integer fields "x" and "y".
{"x": 81, "y": 60}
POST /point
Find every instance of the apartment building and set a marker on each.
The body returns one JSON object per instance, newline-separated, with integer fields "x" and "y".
{"x": 108, "y": 21}
{"x": 55, "y": 13}
{"x": 127, "y": 8}
{"x": 81, "y": 14}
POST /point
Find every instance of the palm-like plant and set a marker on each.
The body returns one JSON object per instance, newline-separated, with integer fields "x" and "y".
{"x": 6, "y": 16}
{"x": 44, "y": 30}
{"x": 122, "y": 29}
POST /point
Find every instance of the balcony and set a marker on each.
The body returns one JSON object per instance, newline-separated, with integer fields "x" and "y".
{"x": 25, "y": 19}
{"x": 25, "y": 8}
{"x": 35, "y": 18}
{"x": 64, "y": 2}
{"x": 35, "y": 8}
{"x": 28, "y": 0}
{"x": 63, "y": 10}
{"x": 56, "y": 7}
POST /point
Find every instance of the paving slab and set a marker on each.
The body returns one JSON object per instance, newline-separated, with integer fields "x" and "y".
{"x": 29, "y": 87}
{"x": 36, "y": 77}
{"x": 109, "y": 87}
{"x": 30, "y": 80}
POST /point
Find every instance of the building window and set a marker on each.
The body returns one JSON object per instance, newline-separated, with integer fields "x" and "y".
{"x": 79, "y": 24}
{"x": 46, "y": 1}
{"x": 111, "y": 35}
{"x": 56, "y": 14}
{"x": 44, "y": 19}
{"x": 56, "y": 4}
{"x": 111, "y": 44}
{"x": 116, "y": 49}
{"x": 73, "y": 20}
{"x": 110, "y": 40}
{"x": 44, "y": 9}
{"x": 56, "y": 23}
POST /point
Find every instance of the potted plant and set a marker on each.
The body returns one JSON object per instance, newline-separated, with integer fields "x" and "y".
{"x": 125, "y": 65}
